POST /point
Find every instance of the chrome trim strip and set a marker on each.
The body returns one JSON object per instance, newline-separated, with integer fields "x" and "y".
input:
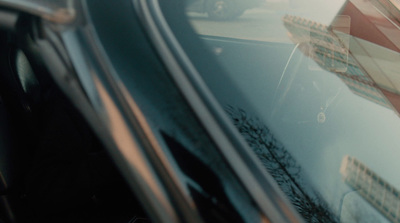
{"x": 269, "y": 198}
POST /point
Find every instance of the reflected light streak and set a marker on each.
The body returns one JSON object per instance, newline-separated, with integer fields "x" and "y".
{"x": 286, "y": 210}
{"x": 154, "y": 142}
{"x": 129, "y": 148}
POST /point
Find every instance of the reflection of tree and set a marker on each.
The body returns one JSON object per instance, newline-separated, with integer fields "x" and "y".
{"x": 282, "y": 166}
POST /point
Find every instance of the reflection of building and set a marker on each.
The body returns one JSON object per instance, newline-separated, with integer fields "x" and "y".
{"x": 375, "y": 31}
{"x": 328, "y": 47}
{"x": 375, "y": 21}
{"x": 373, "y": 188}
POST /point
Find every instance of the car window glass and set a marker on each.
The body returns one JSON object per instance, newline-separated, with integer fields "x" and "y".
{"x": 313, "y": 95}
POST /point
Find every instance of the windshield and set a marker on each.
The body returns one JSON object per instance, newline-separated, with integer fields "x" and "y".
{"x": 313, "y": 87}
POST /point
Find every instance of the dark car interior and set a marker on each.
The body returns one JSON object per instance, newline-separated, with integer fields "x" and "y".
{"x": 29, "y": 181}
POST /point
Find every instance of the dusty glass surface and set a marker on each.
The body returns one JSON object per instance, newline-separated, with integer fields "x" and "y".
{"x": 313, "y": 86}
